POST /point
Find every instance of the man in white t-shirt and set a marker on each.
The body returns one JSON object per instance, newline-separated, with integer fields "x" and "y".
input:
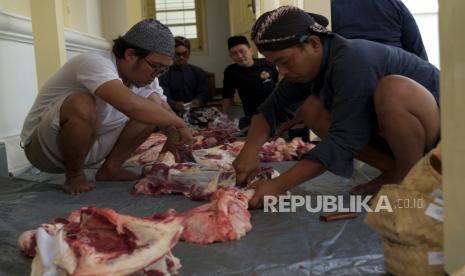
{"x": 101, "y": 106}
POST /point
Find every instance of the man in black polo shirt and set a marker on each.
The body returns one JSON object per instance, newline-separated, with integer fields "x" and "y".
{"x": 254, "y": 79}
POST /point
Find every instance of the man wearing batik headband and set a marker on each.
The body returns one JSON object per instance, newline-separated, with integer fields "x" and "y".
{"x": 374, "y": 102}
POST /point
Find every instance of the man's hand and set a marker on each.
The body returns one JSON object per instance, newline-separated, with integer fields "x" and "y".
{"x": 246, "y": 164}
{"x": 187, "y": 140}
{"x": 195, "y": 103}
{"x": 180, "y": 137}
{"x": 262, "y": 188}
{"x": 179, "y": 106}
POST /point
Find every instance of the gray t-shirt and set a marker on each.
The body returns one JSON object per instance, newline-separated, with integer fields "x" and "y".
{"x": 348, "y": 76}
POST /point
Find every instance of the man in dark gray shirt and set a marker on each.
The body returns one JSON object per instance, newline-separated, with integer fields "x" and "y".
{"x": 385, "y": 21}
{"x": 364, "y": 99}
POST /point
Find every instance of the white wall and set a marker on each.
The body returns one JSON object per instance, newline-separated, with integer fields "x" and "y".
{"x": 94, "y": 18}
{"x": 217, "y": 25}
{"x": 425, "y": 13}
{"x": 452, "y": 22}
{"x": 75, "y": 14}
{"x": 114, "y": 18}
{"x": 18, "y": 84}
{"x": 21, "y": 7}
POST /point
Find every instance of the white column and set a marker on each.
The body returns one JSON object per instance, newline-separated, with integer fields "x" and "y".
{"x": 452, "y": 43}
{"x": 49, "y": 42}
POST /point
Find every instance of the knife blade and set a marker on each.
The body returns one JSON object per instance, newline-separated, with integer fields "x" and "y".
{"x": 186, "y": 155}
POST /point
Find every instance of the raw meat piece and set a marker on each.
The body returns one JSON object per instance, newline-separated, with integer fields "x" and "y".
{"x": 167, "y": 265}
{"x": 274, "y": 151}
{"x": 214, "y": 158}
{"x": 208, "y": 138}
{"x": 220, "y": 156}
{"x": 235, "y": 147}
{"x": 148, "y": 151}
{"x": 218, "y": 134}
{"x": 300, "y": 147}
{"x": 166, "y": 158}
{"x": 27, "y": 242}
{"x": 104, "y": 242}
{"x": 224, "y": 218}
{"x": 194, "y": 180}
{"x": 190, "y": 179}
{"x": 279, "y": 150}
{"x": 264, "y": 174}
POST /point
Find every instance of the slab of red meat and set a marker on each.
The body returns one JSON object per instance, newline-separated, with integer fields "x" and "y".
{"x": 193, "y": 180}
{"x": 300, "y": 147}
{"x": 279, "y": 150}
{"x": 168, "y": 265}
{"x": 220, "y": 156}
{"x": 103, "y": 242}
{"x": 224, "y": 218}
{"x": 209, "y": 138}
{"x": 264, "y": 173}
{"x": 148, "y": 151}
{"x": 275, "y": 151}
{"x": 190, "y": 179}
{"x": 27, "y": 242}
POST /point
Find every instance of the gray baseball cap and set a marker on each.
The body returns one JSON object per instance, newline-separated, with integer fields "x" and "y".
{"x": 150, "y": 34}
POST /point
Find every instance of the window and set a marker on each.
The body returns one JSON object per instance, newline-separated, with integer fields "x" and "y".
{"x": 183, "y": 17}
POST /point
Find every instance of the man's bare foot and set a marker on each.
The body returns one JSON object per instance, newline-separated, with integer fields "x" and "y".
{"x": 77, "y": 184}
{"x": 373, "y": 187}
{"x": 120, "y": 174}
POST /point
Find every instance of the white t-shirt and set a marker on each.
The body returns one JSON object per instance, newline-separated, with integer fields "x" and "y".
{"x": 85, "y": 72}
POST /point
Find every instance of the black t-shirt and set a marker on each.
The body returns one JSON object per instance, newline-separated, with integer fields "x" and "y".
{"x": 253, "y": 84}
{"x": 184, "y": 83}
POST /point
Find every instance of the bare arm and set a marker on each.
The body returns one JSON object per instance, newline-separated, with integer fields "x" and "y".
{"x": 176, "y": 136}
{"x": 247, "y": 163}
{"x": 138, "y": 108}
{"x": 156, "y": 98}
{"x": 300, "y": 172}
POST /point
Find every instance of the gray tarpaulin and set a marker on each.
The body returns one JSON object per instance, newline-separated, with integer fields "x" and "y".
{"x": 279, "y": 243}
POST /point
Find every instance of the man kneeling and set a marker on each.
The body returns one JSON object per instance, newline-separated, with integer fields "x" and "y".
{"x": 364, "y": 99}
{"x": 101, "y": 106}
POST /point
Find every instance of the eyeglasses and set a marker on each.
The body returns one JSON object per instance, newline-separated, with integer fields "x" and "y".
{"x": 158, "y": 68}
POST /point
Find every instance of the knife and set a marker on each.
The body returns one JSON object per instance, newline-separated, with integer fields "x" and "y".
{"x": 186, "y": 155}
